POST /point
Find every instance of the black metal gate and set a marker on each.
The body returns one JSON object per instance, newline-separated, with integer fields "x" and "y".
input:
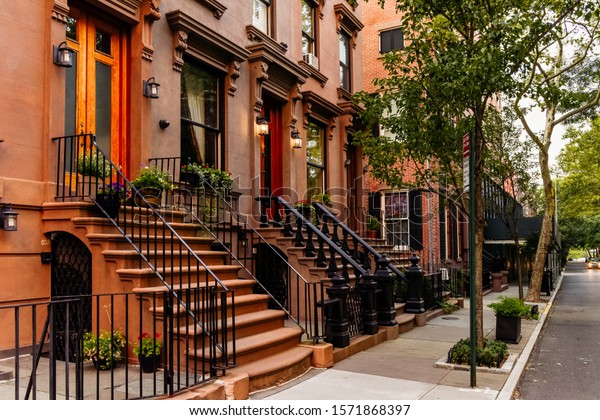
{"x": 272, "y": 273}
{"x": 71, "y": 276}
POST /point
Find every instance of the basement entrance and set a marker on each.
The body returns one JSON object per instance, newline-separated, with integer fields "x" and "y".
{"x": 71, "y": 276}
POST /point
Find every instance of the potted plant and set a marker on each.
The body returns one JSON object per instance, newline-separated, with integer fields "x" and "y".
{"x": 147, "y": 349}
{"x": 509, "y": 311}
{"x": 219, "y": 179}
{"x": 105, "y": 350}
{"x": 110, "y": 197}
{"x": 373, "y": 226}
{"x": 152, "y": 181}
{"x": 306, "y": 208}
{"x": 92, "y": 163}
{"x": 322, "y": 198}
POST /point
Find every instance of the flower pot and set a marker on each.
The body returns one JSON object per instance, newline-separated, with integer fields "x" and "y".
{"x": 191, "y": 178}
{"x": 104, "y": 364}
{"x": 508, "y": 329}
{"x": 149, "y": 364}
{"x": 110, "y": 203}
{"x": 151, "y": 195}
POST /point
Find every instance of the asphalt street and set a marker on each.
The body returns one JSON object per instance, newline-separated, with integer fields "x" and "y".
{"x": 565, "y": 362}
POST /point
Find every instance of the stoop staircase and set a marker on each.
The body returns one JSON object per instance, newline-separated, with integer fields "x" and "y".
{"x": 264, "y": 347}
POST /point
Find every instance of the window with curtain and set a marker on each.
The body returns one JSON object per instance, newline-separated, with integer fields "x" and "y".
{"x": 345, "y": 61}
{"x": 309, "y": 27}
{"x": 315, "y": 159}
{"x": 390, "y": 40}
{"x": 200, "y": 119}
{"x": 261, "y": 15}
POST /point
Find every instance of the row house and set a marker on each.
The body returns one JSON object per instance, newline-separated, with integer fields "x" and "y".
{"x": 237, "y": 283}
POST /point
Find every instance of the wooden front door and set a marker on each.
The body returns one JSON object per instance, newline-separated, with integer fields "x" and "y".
{"x": 95, "y": 85}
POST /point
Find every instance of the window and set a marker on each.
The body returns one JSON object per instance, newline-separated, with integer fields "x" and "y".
{"x": 396, "y": 219}
{"x": 345, "y": 61}
{"x": 200, "y": 115}
{"x": 390, "y": 40}
{"x": 308, "y": 28}
{"x": 315, "y": 157}
{"x": 261, "y": 15}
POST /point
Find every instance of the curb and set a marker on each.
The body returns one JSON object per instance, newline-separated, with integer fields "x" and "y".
{"x": 507, "y": 391}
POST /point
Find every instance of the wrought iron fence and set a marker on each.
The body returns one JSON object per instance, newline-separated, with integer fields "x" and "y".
{"x": 85, "y": 172}
{"x": 44, "y": 358}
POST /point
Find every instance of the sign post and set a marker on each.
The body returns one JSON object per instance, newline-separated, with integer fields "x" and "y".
{"x": 469, "y": 162}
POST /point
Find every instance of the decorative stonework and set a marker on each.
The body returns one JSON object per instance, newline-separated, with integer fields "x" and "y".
{"x": 205, "y": 44}
{"x": 346, "y": 21}
{"x": 330, "y": 128}
{"x": 179, "y": 47}
{"x": 214, "y": 6}
{"x": 60, "y": 11}
{"x": 295, "y": 96}
{"x": 259, "y": 75}
{"x": 234, "y": 73}
{"x": 318, "y": 108}
{"x": 151, "y": 15}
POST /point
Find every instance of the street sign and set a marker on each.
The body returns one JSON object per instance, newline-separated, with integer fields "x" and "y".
{"x": 466, "y": 151}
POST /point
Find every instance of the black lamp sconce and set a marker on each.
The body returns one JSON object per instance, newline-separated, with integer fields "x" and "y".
{"x": 151, "y": 88}
{"x": 63, "y": 55}
{"x": 8, "y": 218}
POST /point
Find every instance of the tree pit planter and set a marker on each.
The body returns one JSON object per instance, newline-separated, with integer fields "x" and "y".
{"x": 508, "y": 329}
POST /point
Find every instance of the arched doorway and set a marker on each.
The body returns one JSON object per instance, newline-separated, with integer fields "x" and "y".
{"x": 71, "y": 276}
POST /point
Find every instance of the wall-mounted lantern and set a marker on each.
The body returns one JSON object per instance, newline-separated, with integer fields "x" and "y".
{"x": 8, "y": 218}
{"x": 262, "y": 126}
{"x": 151, "y": 88}
{"x": 296, "y": 140}
{"x": 63, "y": 55}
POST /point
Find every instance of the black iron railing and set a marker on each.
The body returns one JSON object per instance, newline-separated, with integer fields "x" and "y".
{"x": 47, "y": 359}
{"x": 360, "y": 247}
{"x": 85, "y": 172}
{"x": 329, "y": 251}
{"x": 259, "y": 259}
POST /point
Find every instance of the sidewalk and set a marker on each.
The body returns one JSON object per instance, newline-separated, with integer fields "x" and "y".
{"x": 405, "y": 368}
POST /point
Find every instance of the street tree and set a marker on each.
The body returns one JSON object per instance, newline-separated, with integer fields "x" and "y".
{"x": 509, "y": 163}
{"x": 562, "y": 78}
{"x": 458, "y": 57}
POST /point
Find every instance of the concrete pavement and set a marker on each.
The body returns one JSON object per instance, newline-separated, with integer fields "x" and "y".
{"x": 412, "y": 366}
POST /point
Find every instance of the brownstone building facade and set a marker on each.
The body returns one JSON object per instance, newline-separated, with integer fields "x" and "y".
{"x": 414, "y": 221}
{"x": 156, "y": 79}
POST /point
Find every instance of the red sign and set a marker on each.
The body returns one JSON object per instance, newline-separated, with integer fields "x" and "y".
{"x": 466, "y": 146}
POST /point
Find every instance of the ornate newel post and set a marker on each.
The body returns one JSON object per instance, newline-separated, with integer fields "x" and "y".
{"x": 368, "y": 289}
{"x": 414, "y": 275}
{"x": 386, "y": 309}
{"x": 336, "y": 313}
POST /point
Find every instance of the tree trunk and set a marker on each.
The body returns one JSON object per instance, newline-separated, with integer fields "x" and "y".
{"x": 533, "y": 293}
{"x": 479, "y": 228}
{"x": 518, "y": 268}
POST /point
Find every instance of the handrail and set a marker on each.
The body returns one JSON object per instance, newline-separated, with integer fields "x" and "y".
{"x": 320, "y": 207}
{"x": 304, "y": 314}
{"x": 136, "y": 224}
{"x": 333, "y": 247}
{"x": 311, "y": 328}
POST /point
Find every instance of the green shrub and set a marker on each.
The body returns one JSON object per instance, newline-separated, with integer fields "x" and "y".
{"x": 510, "y": 307}
{"x": 492, "y": 354}
{"x": 448, "y": 307}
